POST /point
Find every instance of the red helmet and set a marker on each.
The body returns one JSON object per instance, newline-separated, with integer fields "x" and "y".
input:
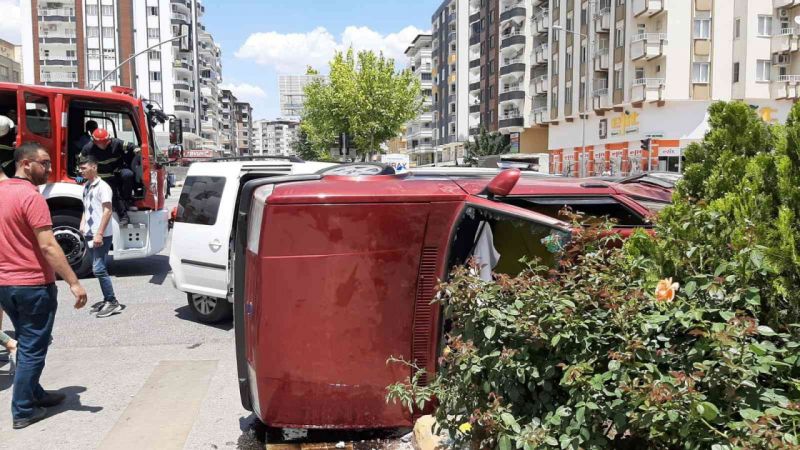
{"x": 100, "y": 135}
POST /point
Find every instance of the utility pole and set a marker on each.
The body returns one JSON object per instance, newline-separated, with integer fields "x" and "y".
{"x": 116, "y": 69}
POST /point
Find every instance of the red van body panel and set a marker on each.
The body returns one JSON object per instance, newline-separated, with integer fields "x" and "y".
{"x": 327, "y": 311}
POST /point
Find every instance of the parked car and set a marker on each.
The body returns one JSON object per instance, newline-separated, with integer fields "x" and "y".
{"x": 200, "y": 253}
{"x": 335, "y": 273}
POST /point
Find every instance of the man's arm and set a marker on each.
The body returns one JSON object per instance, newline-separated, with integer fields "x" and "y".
{"x": 105, "y": 219}
{"x": 55, "y": 257}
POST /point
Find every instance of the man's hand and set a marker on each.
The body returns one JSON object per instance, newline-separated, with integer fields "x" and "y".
{"x": 97, "y": 240}
{"x": 80, "y": 295}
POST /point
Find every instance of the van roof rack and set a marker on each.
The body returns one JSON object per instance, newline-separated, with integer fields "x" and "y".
{"x": 292, "y": 158}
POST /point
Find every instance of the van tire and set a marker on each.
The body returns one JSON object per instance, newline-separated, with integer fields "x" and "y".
{"x": 66, "y": 228}
{"x": 209, "y": 309}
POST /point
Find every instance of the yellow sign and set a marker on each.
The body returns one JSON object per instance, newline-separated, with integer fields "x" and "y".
{"x": 624, "y": 124}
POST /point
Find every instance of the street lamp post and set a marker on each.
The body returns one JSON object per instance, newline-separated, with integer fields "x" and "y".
{"x": 586, "y": 83}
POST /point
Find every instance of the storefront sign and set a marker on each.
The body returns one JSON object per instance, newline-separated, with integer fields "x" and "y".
{"x": 625, "y": 124}
{"x": 514, "y": 142}
{"x": 198, "y": 154}
{"x": 665, "y": 152}
{"x": 398, "y": 161}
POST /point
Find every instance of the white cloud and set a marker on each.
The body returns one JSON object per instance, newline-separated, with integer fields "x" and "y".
{"x": 244, "y": 91}
{"x": 291, "y": 53}
{"x": 11, "y": 24}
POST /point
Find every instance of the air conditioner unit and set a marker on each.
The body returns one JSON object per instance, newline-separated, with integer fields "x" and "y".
{"x": 781, "y": 59}
{"x": 784, "y": 13}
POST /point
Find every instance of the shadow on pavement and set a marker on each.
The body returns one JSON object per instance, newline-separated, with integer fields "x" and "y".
{"x": 157, "y": 266}
{"x": 72, "y": 402}
{"x": 185, "y": 313}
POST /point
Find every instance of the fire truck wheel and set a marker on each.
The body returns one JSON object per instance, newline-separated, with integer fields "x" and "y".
{"x": 66, "y": 228}
{"x": 210, "y": 309}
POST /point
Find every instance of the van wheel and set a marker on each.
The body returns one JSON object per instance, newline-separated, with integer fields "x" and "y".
{"x": 210, "y": 309}
{"x": 66, "y": 228}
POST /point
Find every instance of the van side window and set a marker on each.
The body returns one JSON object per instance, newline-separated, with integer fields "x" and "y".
{"x": 37, "y": 115}
{"x": 199, "y": 202}
{"x": 593, "y": 209}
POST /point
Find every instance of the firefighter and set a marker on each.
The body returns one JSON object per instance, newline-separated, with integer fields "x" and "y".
{"x": 114, "y": 158}
{"x": 7, "y": 168}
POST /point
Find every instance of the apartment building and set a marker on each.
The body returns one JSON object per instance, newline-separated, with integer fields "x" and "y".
{"x": 292, "y": 95}
{"x": 228, "y": 117}
{"x": 418, "y": 135}
{"x": 275, "y": 137}
{"x": 79, "y": 43}
{"x": 244, "y": 128}
{"x": 10, "y": 68}
{"x": 617, "y": 72}
{"x": 450, "y": 65}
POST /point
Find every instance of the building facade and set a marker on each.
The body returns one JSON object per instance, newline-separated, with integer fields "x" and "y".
{"x": 228, "y": 118}
{"x": 292, "y": 96}
{"x": 10, "y": 67}
{"x": 450, "y": 65}
{"x": 79, "y": 43}
{"x": 275, "y": 137}
{"x": 244, "y": 128}
{"x": 418, "y": 135}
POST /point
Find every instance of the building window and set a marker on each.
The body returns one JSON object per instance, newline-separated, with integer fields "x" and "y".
{"x": 93, "y": 52}
{"x": 619, "y": 82}
{"x": 94, "y": 75}
{"x": 638, "y": 73}
{"x": 569, "y": 59}
{"x": 152, "y": 10}
{"x": 583, "y": 53}
{"x": 91, "y": 10}
{"x": 155, "y": 55}
{"x": 555, "y": 69}
{"x": 736, "y": 72}
{"x": 108, "y": 10}
{"x": 700, "y": 72}
{"x": 155, "y": 76}
{"x": 763, "y": 69}
{"x": 153, "y": 33}
{"x": 619, "y": 36}
{"x": 765, "y": 25}
{"x": 702, "y": 27}
{"x": 157, "y": 98}
{"x": 554, "y": 102}
{"x": 92, "y": 32}
{"x": 108, "y": 32}
{"x": 568, "y": 95}
{"x": 737, "y": 28}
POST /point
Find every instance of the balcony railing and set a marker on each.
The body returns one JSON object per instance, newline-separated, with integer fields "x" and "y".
{"x": 647, "y": 89}
{"x": 786, "y": 40}
{"x": 512, "y": 87}
{"x": 509, "y": 61}
{"x": 601, "y": 59}
{"x": 789, "y": 78}
{"x": 603, "y": 20}
{"x": 541, "y": 22}
{"x": 647, "y": 8}
{"x": 541, "y": 55}
{"x": 648, "y": 45}
{"x": 540, "y": 115}
{"x": 58, "y": 12}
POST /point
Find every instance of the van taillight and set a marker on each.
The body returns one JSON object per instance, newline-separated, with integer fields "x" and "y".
{"x": 256, "y": 216}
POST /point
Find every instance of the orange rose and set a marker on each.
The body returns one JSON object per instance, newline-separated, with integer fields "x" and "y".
{"x": 665, "y": 290}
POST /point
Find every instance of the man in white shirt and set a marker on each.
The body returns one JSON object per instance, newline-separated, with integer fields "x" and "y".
{"x": 96, "y": 226}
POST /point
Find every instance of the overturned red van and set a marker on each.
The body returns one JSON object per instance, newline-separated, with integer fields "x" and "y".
{"x": 334, "y": 274}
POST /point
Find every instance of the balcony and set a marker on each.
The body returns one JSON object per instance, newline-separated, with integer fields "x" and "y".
{"x": 475, "y": 108}
{"x": 475, "y": 86}
{"x": 647, "y": 8}
{"x": 512, "y": 92}
{"x": 648, "y": 46}
{"x": 511, "y": 40}
{"x": 786, "y": 40}
{"x": 512, "y": 66}
{"x": 475, "y": 17}
{"x": 511, "y": 119}
{"x": 778, "y": 4}
{"x": 540, "y": 115}
{"x": 475, "y": 63}
{"x": 541, "y": 22}
{"x": 541, "y": 85}
{"x": 601, "y": 59}
{"x": 647, "y": 90}
{"x": 786, "y": 87}
{"x": 601, "y": 101}
{"x": 541, "y": 55}
{"x": 513, "y": 12}
{"x": 602, "y": 20}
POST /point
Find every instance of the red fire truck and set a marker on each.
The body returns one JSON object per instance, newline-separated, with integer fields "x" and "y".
{"x": 56, "y": 118}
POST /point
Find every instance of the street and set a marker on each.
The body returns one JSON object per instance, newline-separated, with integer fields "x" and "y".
{"x": 150, "y": 377}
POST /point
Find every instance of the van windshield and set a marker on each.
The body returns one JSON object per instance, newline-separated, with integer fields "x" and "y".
{"x": 199, "y": 202}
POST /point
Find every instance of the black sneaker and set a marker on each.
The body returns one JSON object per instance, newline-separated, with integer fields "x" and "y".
{"x": 39, "y": 413}
{"x": 51, "y": 398}
{"x": 110, "y": 308}
{"x": 96, "y": 307}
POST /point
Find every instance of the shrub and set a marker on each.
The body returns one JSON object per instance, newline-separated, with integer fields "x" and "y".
{"x": 606, "y": 352}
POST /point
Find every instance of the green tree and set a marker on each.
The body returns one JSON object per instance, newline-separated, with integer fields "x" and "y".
{"x": 305, "y": 150}
{"x": 364, "y": 97}
{"x": 486, "y": 144}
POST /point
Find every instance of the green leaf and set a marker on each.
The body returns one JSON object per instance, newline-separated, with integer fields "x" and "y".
{"x": 727, "y": 315}
{"x": 550, "y": 440}
{"x": 765, "y": 331}
{"x": 510, "y": 421}
{"x": 757, "y": 258}
{"x": 505, "y": 443}
{"x": 690, "y": 288}
{"x": 750, "y": 414}
{"x": 710, "y": 411}
{"x": 489, "y": 331}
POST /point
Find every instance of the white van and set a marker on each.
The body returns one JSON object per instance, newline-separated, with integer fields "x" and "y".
{"x": 201, "y": 253}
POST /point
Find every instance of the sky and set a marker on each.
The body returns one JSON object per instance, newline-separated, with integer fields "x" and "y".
{"x": 263, "y": 38}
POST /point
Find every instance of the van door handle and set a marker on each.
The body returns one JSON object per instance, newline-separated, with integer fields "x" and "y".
{"x": 215, "y": 245}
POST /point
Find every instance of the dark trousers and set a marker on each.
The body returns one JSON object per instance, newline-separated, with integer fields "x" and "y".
{"x": 122, "y": 186}
{"x": 32, "y": 310}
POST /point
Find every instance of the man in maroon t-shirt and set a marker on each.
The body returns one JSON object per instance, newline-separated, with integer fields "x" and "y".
{"x": 27, "y": 279}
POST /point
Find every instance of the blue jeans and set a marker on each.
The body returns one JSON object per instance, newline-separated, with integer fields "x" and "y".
{"x": 32, "y": 310}
{"x": 100, "y": 269}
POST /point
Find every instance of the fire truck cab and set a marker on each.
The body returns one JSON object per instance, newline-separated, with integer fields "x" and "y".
{"x": 56, "y": 119}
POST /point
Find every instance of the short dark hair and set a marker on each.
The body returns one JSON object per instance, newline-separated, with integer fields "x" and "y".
{"x": 88, "y": 159}
{"x": 91, "y": 125}
{"x": 28, "y": 150}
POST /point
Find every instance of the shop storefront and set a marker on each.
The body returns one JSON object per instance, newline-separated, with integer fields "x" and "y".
{"x": 637, "y": 140}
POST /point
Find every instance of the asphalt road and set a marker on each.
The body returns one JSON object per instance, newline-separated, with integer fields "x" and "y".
{"x": 150, "y": 377}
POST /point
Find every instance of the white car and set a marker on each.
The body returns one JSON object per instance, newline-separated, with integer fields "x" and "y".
{"x": 201, "y": 253}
